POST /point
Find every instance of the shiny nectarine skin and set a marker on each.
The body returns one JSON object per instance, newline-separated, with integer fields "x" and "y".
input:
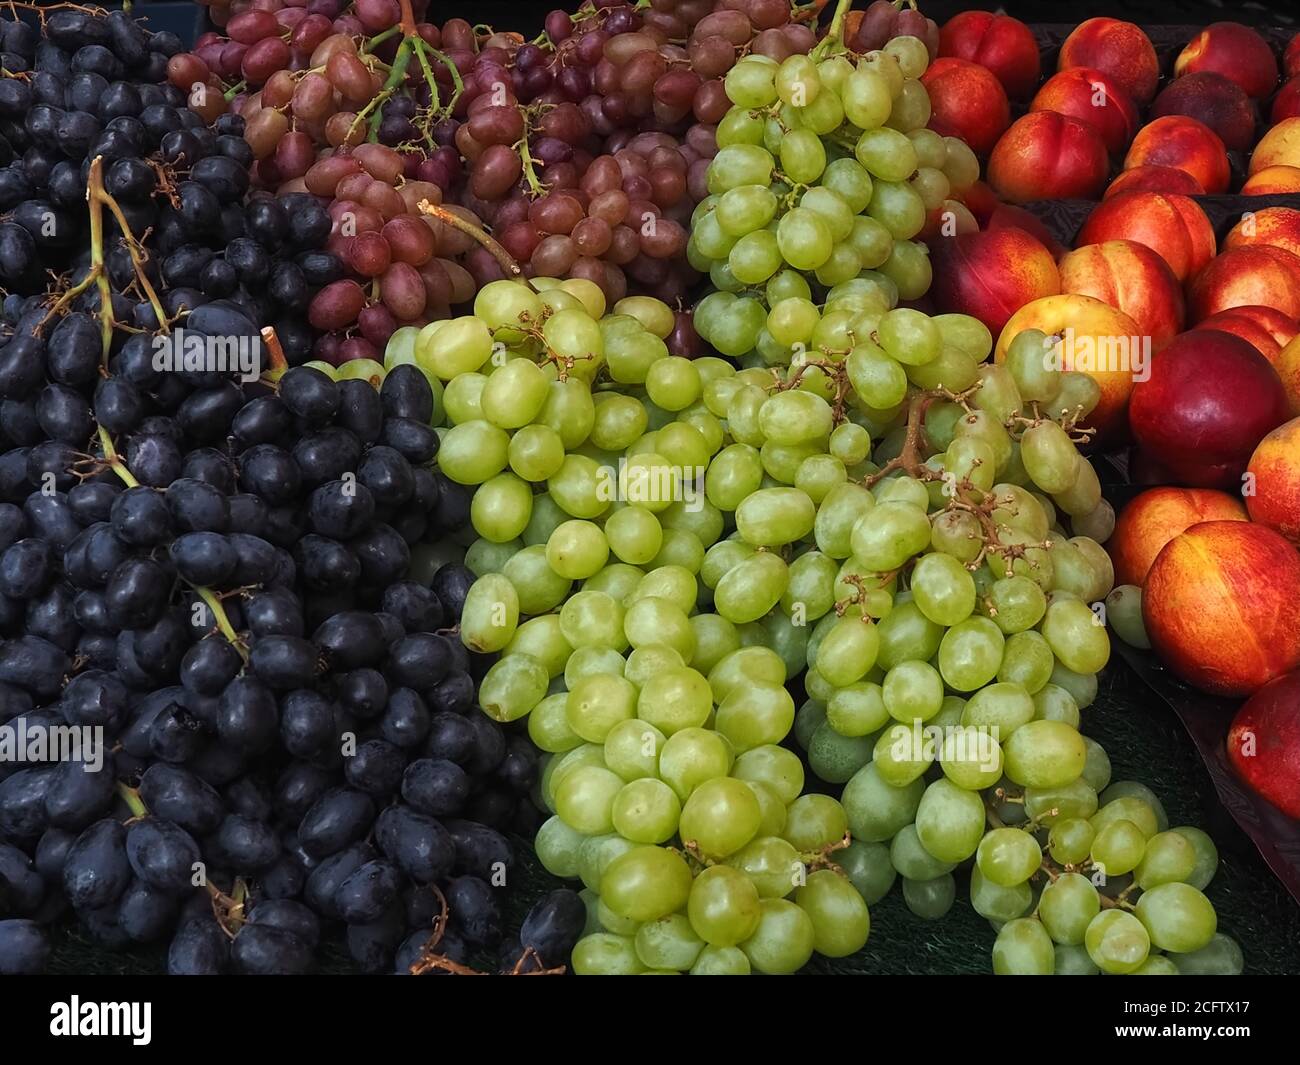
{"x": 1273, "y": 490}
{"x": 1132, "y": 277}
{"x": 1048, "y": 156}
{"x": 968, "y": 102}
{"x": 1264, "y": 743}
{"x": 1216, "y": 101}
{"x": 1236, "y": 52}
{"x": 1117, "y": 48}
{"x": 1155, "y": 517}
{"x": 1257, "y": 274}
{"x": 992, "y": 274}
{"x": 1186, "y": 144}
{"x": 1267, "y": 330}
{"x": 1221, "y": 605}
{"x": 1003, "y": 45}
{"x": 1174, "y": 226}
{"x": 1092, "y": 97}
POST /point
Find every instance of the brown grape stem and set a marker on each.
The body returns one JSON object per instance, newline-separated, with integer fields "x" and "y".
{"x": 504, "y": 258}
{"x": 279, "y": 364}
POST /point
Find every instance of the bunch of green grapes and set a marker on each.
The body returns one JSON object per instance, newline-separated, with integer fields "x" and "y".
{"x": 825, "y": 173}
{"x": 945, "y": 687}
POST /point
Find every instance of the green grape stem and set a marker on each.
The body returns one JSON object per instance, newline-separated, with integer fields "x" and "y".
{"x": 131, "y": 796}
{"x": 834, "y": 39}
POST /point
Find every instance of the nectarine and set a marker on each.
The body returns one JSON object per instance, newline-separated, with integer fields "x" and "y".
{"x": 1209, "y": 399}
{"x": 991, "y": 275}
{"x": 1256, "y": 274}
{"x": 1220, "y": 104}
{"x": 1094, "y": 338}
{"x": 1132, "y": 277}
{"x": 1003, "y": 45}
{"x": 1154, "y": 179}
{"x": 1269, "y": 331}
{"x": 1155, "y": 517}
{"x": 1236, "y": 52}
{"x": 1286, "y": 104}
{"x": 1047, "y": 156}
{"x": 968, "y": 102}
{"x": 1174, "y": 226}
{"x": 1264, "y": 743}
{"x": 1287, "y": 365}
{"x": 1276, "y": 226}
{"x": 1092, "y": 97}
{"x": 1117, "y": 48}
{"x": 1185, "y": 143}
{"x": 1221, "y": 605}
{"x": 1272, "y": 488}
{"x": 1272, "y": 180}
{"x": 1280, "y": 146}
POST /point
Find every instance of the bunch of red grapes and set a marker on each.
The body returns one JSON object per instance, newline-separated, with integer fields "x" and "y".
{"x": 583, "y": 152}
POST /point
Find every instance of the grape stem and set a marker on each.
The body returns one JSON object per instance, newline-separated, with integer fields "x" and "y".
{"x": 504, "y": 258}
{"x": 834, "y": 39}
{"x": 131, "y": 796}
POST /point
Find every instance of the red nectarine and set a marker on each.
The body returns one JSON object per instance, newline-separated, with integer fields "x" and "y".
{"x": 1267, "y": 330}
{"x": 1117, "y": 48}
{"x": 1094, "y": 98}
{"x": 1209, "y": 399}
{"x": 1218, "y": 103}
{"x": 1132, "y": 277}
{"x": 1272, "y": 180}
{"x": 1154, "y": 179}
{"x": 1174, "y": 226}
{"x": 1155, "y": 517}
{"x": 1236, "y": 52}
{"x": 991, "y": 275}
{"x": 968, "y": 102}
{"x": 1256, "y": 274}
{"x": 1001, "y": 44}
{"x": 1276, "y": 226}
{"x": 1185, "y": 143}
{"x": 1272, "y": 489}
{"x": 1221, "y": 605}
{"x": 1264, "y": 743}
{"x": 1047, "y": 156}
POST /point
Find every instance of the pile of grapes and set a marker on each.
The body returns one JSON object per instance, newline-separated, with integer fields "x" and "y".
{"x": 358, "y": 442}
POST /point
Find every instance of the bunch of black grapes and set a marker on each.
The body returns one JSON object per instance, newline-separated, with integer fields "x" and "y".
{"x": 331, "y": 762}
{"x": 92, "y": 87}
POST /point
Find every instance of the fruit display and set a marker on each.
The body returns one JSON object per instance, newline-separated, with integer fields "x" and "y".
{"x": 640, "y": 497}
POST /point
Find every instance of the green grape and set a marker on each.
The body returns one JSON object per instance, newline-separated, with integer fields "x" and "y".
{"x": 535, "y": 452}
{"x": 834, "y": 211}
{"x": 1118, "y": 847}
{"x": 1076, "y": 636}
{"x": 720, "y": 817}
{"x": 473, "y": 452}
{"x": 943, "y": 589}
{"x": 950, "y": 821}
{"x": 970, "y": 654}
{"x": 1132, "y": 789}
{"x": 646, "y": 883}
{"x": 810, "y": 593}
{"x": 1073, "y": 961}
{"x": 668, "y": 944}
{"x": 803, "y": 157}
{"x": 1052, "y": 703}
{"x": 586, "y": 661}
{"x": 557, "y": 848}
{"x": 632, "y": 749}
{"x": 837, "y": 514}
{"x": 906, "y": 634}
{"x": 755, "y": 257}
{"x": 739, "y": 164}
{"x": 804, "y": 237}
{"x": 548, "y": 727}
{"x": 1207, "y": 856}
{"x": 646, "y": 811}
{"x": 888, "y": 534}
{"x": 1023, "y": 948}
{"x": 877, "y": 810}
{"x": 896, "y": 206}
{"x": 753, "y": 716}
{"x": 738, "y": 126}
{"x": 591, "y": 618}
{"x": 912, "y": 860}
{"x": 954, "y": 370}
{"x": 1050, "y": 457}
{"x": 542, "y": 639}
{"x": 784, "y": 939}
{"x": 618, "y": 580}
{"x": 724, "y": 906}
{"x": 886, "y": 154}
{"x": 857, "y": 709}
{"x": 850, "y": 443}
{"x": 795, "y": 417}
{"x": 996, "y": 903}
{"x": 595, "y": 855}
{"x": 1220, "y": 957}
{"x": 1044, "y": 754}
{"x": 514, "y": 394}
{"x": 909, "y": 336}
{"x": 956, "y": 533}
{"x": 576, "y": 549}
{"x": 483, "y": 556}
{"x": 1008, "y": 856}
{"x": 751, "y": 83}
{"x": 691, "y": 756}
{"x": 838, "y": 913}
{"x": 599, "y": 702}
{"x": 1048, "y": 805}
{"x": 1070, "y": 840}
{"x": 971, "y": 757}
{"x": 1124, "y": 614}
{"x": 490, "y": 614}
{"x": 1169, "y": 858}
{"x": 461, "y": 398}
{"x": 815, "y": 821}
{"x": 868, "y": 868}
{"x": 715, "y": 638}
{"x": 834, "y": 758}
{"x": 546, "y": 518}
{"x": 1084, "y": 495}
{"x": 930, "y": 899}
{"x": 634, "y": 534}
{"x": 879, "y": 380}
{"x": 1027, "y": 660}
{"x": 745, "y": 209}
{"x": 721, "y": 961}
{"x": 751, "y": 588}
{"x": 1116, "y": 941}
{"x": 540, "y": 588}
{"x": 1177, "y": 917}
{"x": 605, "y": 954}
{"x": 912, "y": 691}
{"x": 584, "y": 798}
{"x": 1016, "y": 604}
{"x": 744, "y": 667}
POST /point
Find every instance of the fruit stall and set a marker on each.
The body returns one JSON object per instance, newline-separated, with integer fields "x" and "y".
{"x": 674, "y": 486}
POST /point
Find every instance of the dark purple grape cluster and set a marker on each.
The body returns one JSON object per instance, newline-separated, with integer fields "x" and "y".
{"x": 282, "y": 708}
